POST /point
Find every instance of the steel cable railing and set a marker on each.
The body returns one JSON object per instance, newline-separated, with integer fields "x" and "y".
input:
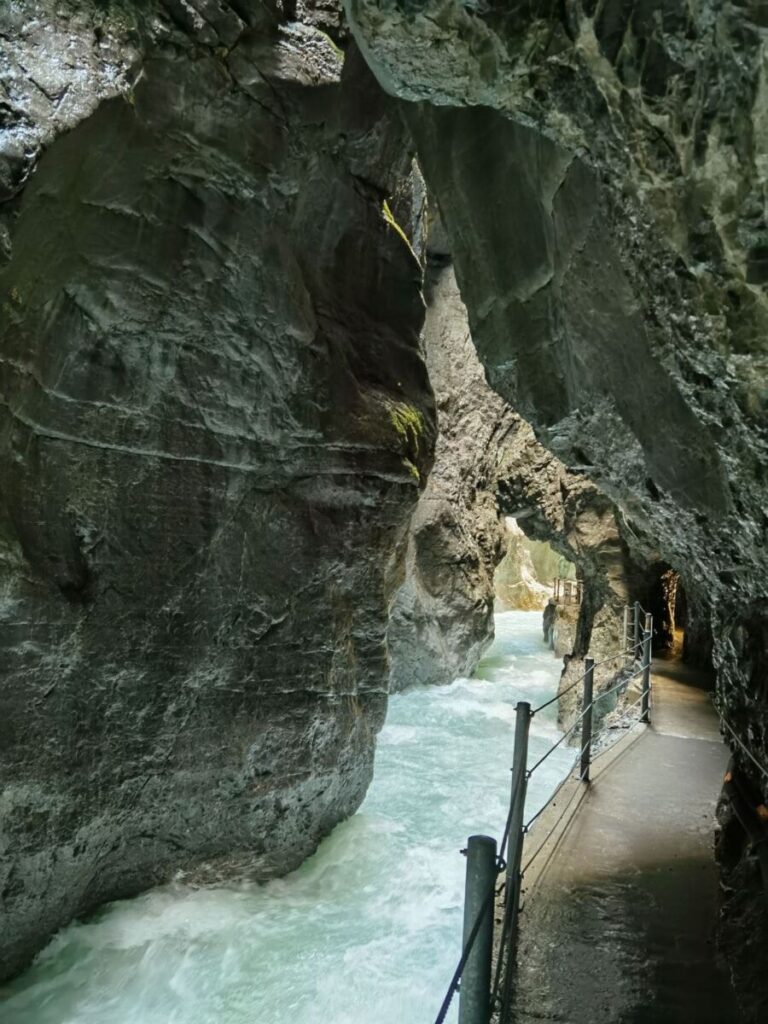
{"x": 509, "y": 852}
{"x": 570, "y": 777}
{"x": 587, "y": 709}
{"x": 486, "y": 907}
{"x": 548, "y": 753}
{"x": 580, "y": 679}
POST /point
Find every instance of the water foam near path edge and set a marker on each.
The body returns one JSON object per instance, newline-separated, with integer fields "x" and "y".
{"x": 368, "y": 930}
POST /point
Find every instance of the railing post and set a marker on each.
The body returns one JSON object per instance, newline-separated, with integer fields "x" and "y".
{"x": 519, "y": 787}
{"x": 475, "y": 988}
{"x": 625, "y": 633}
{"x": 515, "y": 843}
{"x": 586, "y": 720}
{"x": 636, "y": 640}
{"x": 645, "y": 715}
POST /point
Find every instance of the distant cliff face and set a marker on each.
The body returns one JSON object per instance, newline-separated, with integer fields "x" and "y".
{"x": 215, "y": 422}
{"x": 487, "y": 463}
{"x": 602, "y": 172}
{"x": 442, "y": 618}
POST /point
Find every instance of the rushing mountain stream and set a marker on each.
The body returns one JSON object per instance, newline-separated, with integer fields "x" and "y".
{"x": 367, "y": 931}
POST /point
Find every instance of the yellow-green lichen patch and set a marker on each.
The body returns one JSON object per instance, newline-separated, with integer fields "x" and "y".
{"x": 412, "y": 469}
{"x": 409, "y": 425}
{"x": 336, "y": 50}
{"x": 390, "y": 219}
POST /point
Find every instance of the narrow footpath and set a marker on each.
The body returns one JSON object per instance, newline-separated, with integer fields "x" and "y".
{"x": 619, "y": 928}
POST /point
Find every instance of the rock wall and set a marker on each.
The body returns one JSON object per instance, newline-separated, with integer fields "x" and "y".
{"x": 215, "y": 422}
{"x": 487, "y": 462}
{"x": 564, "y": 509}
{"x": 442, "y": 618}
{"x": 216, "y": 416}
{"x": 602, "y": 171}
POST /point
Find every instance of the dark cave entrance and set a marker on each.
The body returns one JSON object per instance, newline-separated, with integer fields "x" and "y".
{"x": 667, "y": 604}
{"x": 680, "y": 628}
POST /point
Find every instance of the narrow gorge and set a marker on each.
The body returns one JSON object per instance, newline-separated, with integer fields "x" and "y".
{"x": 315, "y": 315}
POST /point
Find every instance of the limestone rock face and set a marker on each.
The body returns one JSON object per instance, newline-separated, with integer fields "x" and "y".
{"x": 602, "y": 173}
{"x": 442, "y": 618}
{"x": 487, "y": 462}
{"x": 215, "y": 419}
{"x": 567, "y": 511}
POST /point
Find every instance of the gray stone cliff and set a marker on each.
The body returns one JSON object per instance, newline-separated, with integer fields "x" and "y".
{"x": 442, "y": 618}
{"x": 488, "y": 463}
{"x": 215, "y": 420}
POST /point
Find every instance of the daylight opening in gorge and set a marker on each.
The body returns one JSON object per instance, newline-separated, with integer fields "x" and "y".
{"x": 383, "y": 511}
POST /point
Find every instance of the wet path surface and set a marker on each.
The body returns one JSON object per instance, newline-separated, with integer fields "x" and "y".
{"x": 620, "y": 929}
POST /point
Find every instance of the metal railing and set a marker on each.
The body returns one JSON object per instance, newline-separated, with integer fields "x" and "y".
{"x": 634, "y": 619}
{"x": 479, "y": 994}
{"x": 567, "y": 591}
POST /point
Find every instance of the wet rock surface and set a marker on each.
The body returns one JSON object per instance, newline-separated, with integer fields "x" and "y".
{"x": 442, "y": 618}
{"x": 488, "y": 462}
{"x": 215, "y": 422}
{"x": 216, "y": 416}
{"x": 567, "y": 511}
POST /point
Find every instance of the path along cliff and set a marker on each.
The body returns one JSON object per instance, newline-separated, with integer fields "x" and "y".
{"x": 619, "y": 922}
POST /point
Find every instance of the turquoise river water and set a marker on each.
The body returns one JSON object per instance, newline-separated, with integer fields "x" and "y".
{"x": 368, "y": 930}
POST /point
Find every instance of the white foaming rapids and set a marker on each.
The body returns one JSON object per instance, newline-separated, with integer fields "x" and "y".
{"x": 365, "y": 932}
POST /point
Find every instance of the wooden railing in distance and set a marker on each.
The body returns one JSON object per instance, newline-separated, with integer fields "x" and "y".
{"x": 568, "y": 591}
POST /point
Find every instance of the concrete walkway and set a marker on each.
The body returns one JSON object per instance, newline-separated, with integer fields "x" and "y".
{"x": 619, "y": 928}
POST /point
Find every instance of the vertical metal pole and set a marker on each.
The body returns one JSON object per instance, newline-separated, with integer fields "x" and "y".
{"x": 475, "y": 989}
{"x": 515, "y": 846}
{"x": 586, "y": 721}
{"x": 625, "y": 633}
{"x": 636, "y": 637}
{"x": 519, "y": 787}
{"x": 646, "y": 702}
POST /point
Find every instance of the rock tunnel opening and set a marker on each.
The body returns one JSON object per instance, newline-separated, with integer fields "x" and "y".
{"x": 525, "y": 577}
{"x": 666, "y": 602}
{"x": 681, "y": 623}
